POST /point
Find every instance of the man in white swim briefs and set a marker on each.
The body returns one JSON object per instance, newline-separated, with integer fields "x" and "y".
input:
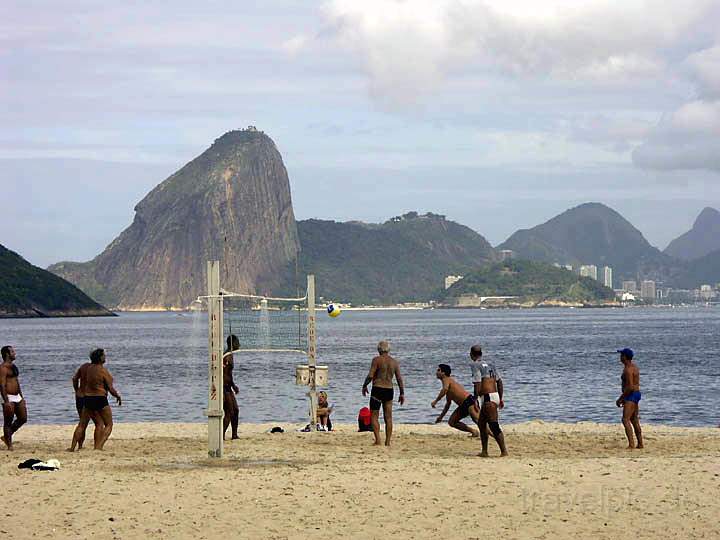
{"x": 13, "y": 403}
{"x": 489, "y": 394}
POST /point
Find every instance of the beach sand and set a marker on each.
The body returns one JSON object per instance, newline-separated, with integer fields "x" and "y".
{"x": 561, "y": 481}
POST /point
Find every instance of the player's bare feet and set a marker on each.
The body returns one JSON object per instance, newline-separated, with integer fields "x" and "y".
{"x": 474, "y": 433}
{"x": 483, "y": 454}
{"x": 504, "y": 454}
{"x": 9, "y": 446}
{"x": 640, "y": 446}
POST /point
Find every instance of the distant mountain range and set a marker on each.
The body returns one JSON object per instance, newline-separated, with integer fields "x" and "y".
{"x": 701, "y": 240}
{"x": 232, "y": 203}
{"x": 29, "y": 291}
{"x": 593, "y": 233}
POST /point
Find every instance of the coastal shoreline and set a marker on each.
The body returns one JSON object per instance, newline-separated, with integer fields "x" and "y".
{"x": 154, "y": 480}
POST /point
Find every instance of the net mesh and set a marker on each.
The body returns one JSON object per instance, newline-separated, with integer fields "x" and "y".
{"x": 266, "y": 324}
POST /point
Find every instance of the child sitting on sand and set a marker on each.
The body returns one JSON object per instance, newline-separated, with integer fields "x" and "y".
{"x": 323, "y": 412}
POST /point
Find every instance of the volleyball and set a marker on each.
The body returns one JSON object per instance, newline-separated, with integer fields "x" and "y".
{"x": 333, "y": 310}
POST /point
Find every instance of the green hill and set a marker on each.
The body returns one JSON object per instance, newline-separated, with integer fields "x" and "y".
{"x": 403, "y": 259}
{"x": 29, "y": 291}
{"x": 530, "y": 282}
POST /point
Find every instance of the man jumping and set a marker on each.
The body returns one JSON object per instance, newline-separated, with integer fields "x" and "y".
{"x": 13, "y": 402}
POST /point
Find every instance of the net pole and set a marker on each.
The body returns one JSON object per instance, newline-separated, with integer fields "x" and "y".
{"x": 215, "y": 367}
{"x": 312, "y": 349}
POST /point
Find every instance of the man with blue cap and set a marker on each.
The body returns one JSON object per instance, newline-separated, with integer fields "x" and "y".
{"x": 629, "y": 400}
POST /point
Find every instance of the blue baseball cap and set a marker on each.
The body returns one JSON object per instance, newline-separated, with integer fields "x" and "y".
{"x": 627, "y": 352}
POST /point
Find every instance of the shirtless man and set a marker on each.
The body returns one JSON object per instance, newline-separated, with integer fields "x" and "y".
{"x": 488, "y": 389}
{"x": 453, "y": 391}
{"x": 629, "y": 400}
{"x": 382, "y": 370}
{"x": 13, "y": 402}
{"x": 230, "y": 407}
{"x": 95, "y": 383}
{"x": 84, "y": 414}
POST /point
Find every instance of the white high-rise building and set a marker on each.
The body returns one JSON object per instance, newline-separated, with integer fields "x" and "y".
{"x": 607, "y": 276}
{"x": 589, "y": 270}
{"x": 507, "y": 254}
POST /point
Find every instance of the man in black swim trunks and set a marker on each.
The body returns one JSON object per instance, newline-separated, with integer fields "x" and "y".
{"x": 95, "y": 383}
{"x": 13, "y": 401}
{"x": 84, "y": 414}
{"x": 382, "y": 370}
{"x": 454, "y": 391}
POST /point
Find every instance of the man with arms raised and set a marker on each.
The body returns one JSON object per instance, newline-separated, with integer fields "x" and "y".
{"x": 453, "y": 391}
{"x": 95, "y": 383}
{"x": 382, "y": 370}
{"x": 13, "y": 402}
{"x": 629, "y": 400}
{"x": 488, "y": 389}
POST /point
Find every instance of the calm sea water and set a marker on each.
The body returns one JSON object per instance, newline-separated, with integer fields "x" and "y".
{"x": 557, "y": 365}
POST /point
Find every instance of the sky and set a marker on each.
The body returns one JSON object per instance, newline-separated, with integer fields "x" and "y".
{"x": 498, "y": 114}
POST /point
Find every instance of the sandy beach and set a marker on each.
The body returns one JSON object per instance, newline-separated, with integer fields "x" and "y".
{"x": 561, "y": 481}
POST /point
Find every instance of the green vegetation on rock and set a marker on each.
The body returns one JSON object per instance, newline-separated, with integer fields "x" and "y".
{"x": 403, "y": 259}
{"x": 530, "y": 282}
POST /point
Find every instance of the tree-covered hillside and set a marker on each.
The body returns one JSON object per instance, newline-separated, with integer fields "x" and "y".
{"x": 403, "y": 259}
{"x": 29, "y": 291}
{"x": 530, "y": 281}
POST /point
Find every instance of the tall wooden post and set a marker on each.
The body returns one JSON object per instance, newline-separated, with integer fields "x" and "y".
{"x": 312, "y": 344}
{"x": 215, "y": 366}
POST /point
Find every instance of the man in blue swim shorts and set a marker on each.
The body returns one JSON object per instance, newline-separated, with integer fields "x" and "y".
{"x": 629, "y": 400}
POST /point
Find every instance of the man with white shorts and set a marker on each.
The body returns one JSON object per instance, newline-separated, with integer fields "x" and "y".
{"x": 13, "y": 402}
{"x": 489, "y": 394}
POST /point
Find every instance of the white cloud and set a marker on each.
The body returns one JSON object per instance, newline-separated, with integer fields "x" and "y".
{"x": 410, "y": 49}
{"x": 705, "y": 65}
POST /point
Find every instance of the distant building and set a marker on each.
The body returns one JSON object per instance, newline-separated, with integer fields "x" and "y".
{"x": 569, "y": 267}
{"x": 506, "y": 254}
{"x": 629, "y": 286}
{"x": 589, "y": 270}
{"x": 706, "y": 292}
{"x": 451, "y": 280}
{"x": 627, "y": 297}
{"x": 647, "y": 290}
{"x": 607, "y": 278}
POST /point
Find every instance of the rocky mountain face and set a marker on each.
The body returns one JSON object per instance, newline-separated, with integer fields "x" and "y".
{"x": 231, "y": 203}
{"x": 403, "y": 259}
{"x": 593, "y": 233}
{"x": 702, "y": 239}
{"x": 29, "y": 291}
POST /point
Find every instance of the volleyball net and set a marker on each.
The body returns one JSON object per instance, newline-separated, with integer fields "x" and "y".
{"x": 239, "y": 323}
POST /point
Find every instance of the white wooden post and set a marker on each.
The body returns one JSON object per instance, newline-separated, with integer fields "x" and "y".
{"x": 215, "y": 366}
{"x": 312, "y": 344}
